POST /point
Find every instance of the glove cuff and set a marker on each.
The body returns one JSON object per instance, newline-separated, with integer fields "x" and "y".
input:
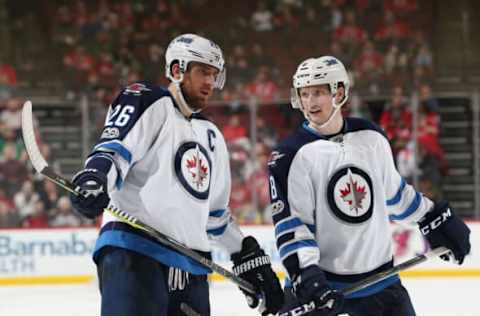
{"x": 310, "y": 275}
{"x": 90, "y": 174}
{"x": 439, "y": 215}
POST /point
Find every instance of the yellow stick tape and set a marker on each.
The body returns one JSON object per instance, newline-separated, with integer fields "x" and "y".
{"x": 82, "y": 279}
{"x": 61, "y": 279}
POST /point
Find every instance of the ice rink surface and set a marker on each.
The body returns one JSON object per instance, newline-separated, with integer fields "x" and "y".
{"x": 431, "y": 297}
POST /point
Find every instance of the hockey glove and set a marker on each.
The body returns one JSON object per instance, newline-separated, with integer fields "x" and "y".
{"x": 253, "y": 265}
{"x": 92, "y": 184}
{"x": 311, "y": 285}
{"x": 442, "y": 227}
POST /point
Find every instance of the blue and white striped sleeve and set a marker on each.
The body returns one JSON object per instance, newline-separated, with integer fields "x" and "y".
{"x": 293, "y": 207}
{"x": 403, "y": 202}
{"x": 131, "y": 126}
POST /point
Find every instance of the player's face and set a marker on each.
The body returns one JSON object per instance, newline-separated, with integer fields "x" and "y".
{"x": 198, "y": 84}
{"x": 317, "y": 103}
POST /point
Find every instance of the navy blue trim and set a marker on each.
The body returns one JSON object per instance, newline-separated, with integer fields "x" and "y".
{"x": 355, "y": 124}
{"x": 352, "y": 278}
{"x": 287, "y": 237}
{"x": 217, "y": 213}
{"x": 350, "y": 125}
{"x": 116, "y": 147}
{"x": 217, "y": 231}
{"x": 398, "y": 195}
{"x": 284, "y": 250}
{"x": 341, "y": 281}
{"x": 312, "y": 228}
{"x": 312, "y": 130}
{"x": 103, "y": 162}
{"x": 369, "y": 290}
{"x": 410, "y": 210}
{"x": 121, "y": 235}
{"x": 100, "y": 161}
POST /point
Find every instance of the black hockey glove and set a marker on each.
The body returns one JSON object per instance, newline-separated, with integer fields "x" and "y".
{"x": 442, "y": 227}
{"x": 253, "y": 265}
{"x": 311, "y": 285}
{"x": 93, "y": 186}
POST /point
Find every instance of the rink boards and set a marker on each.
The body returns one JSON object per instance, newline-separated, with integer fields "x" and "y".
{"x": 59, "y": 256}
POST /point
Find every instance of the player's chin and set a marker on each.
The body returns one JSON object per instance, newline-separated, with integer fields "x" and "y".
{"x": 202, "y": 102}
{"x": 318, "y": 120}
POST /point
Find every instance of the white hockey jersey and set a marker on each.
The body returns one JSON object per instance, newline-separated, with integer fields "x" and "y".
{"x": 170, "y": 172}
{"x": 332, "y": 201}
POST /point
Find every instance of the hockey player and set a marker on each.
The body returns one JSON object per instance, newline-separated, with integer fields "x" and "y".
{"x": 334, "y": 188}
{"x": 159, "y": 160}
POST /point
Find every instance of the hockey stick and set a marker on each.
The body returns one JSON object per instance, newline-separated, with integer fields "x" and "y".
{"x": 437, "y": 252}
{"x": 41, "y": 166}
{"x": 188, "y": 310}
{"x": 309, "y": 307}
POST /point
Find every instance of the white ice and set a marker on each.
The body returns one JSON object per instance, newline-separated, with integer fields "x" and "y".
{"x": 431, "y": 297}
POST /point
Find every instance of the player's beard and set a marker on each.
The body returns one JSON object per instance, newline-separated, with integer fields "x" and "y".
{"x": 197, "y": 103}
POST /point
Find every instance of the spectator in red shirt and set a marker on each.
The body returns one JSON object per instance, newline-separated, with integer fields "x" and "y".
{"x": 401, "y": 7}
{"x": 234, "y": 130}
{"x": 8, "y": 75}
{"x": 350, "y": 33}
{"x": 263, "y": 87}
{"x": 396, "y": 120}
{"x": 79, "y": 59}
{"x": 369, "y": 64}
{"x": 78, "y": 65}
{"x": 392, "y": 30}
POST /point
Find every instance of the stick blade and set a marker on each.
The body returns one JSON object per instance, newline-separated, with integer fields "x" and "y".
{"x": 28, "y": 134}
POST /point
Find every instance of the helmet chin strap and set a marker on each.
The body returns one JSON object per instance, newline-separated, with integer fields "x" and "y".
{"x": 182, "y": 103}
{"x": 333, "y": 112}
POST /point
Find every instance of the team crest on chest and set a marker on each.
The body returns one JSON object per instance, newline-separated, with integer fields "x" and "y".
{"x": 350, "y": 195}
{"x": 193, "y": 169}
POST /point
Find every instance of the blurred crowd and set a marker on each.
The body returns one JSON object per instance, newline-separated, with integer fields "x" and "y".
{"x": 107, "y": 44}
{"x": 26, "y": 199}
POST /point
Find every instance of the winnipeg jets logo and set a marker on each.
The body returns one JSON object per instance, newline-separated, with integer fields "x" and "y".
{"x": 353, "y": 194}
{"x": 198, "y": 170}
{"x": 136, "y": 89}
{"x": 193, "y": 169}
{"x": 350, "y": 195}
{"x": 274, "y": 156}
{"x": 331, "y": 62}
